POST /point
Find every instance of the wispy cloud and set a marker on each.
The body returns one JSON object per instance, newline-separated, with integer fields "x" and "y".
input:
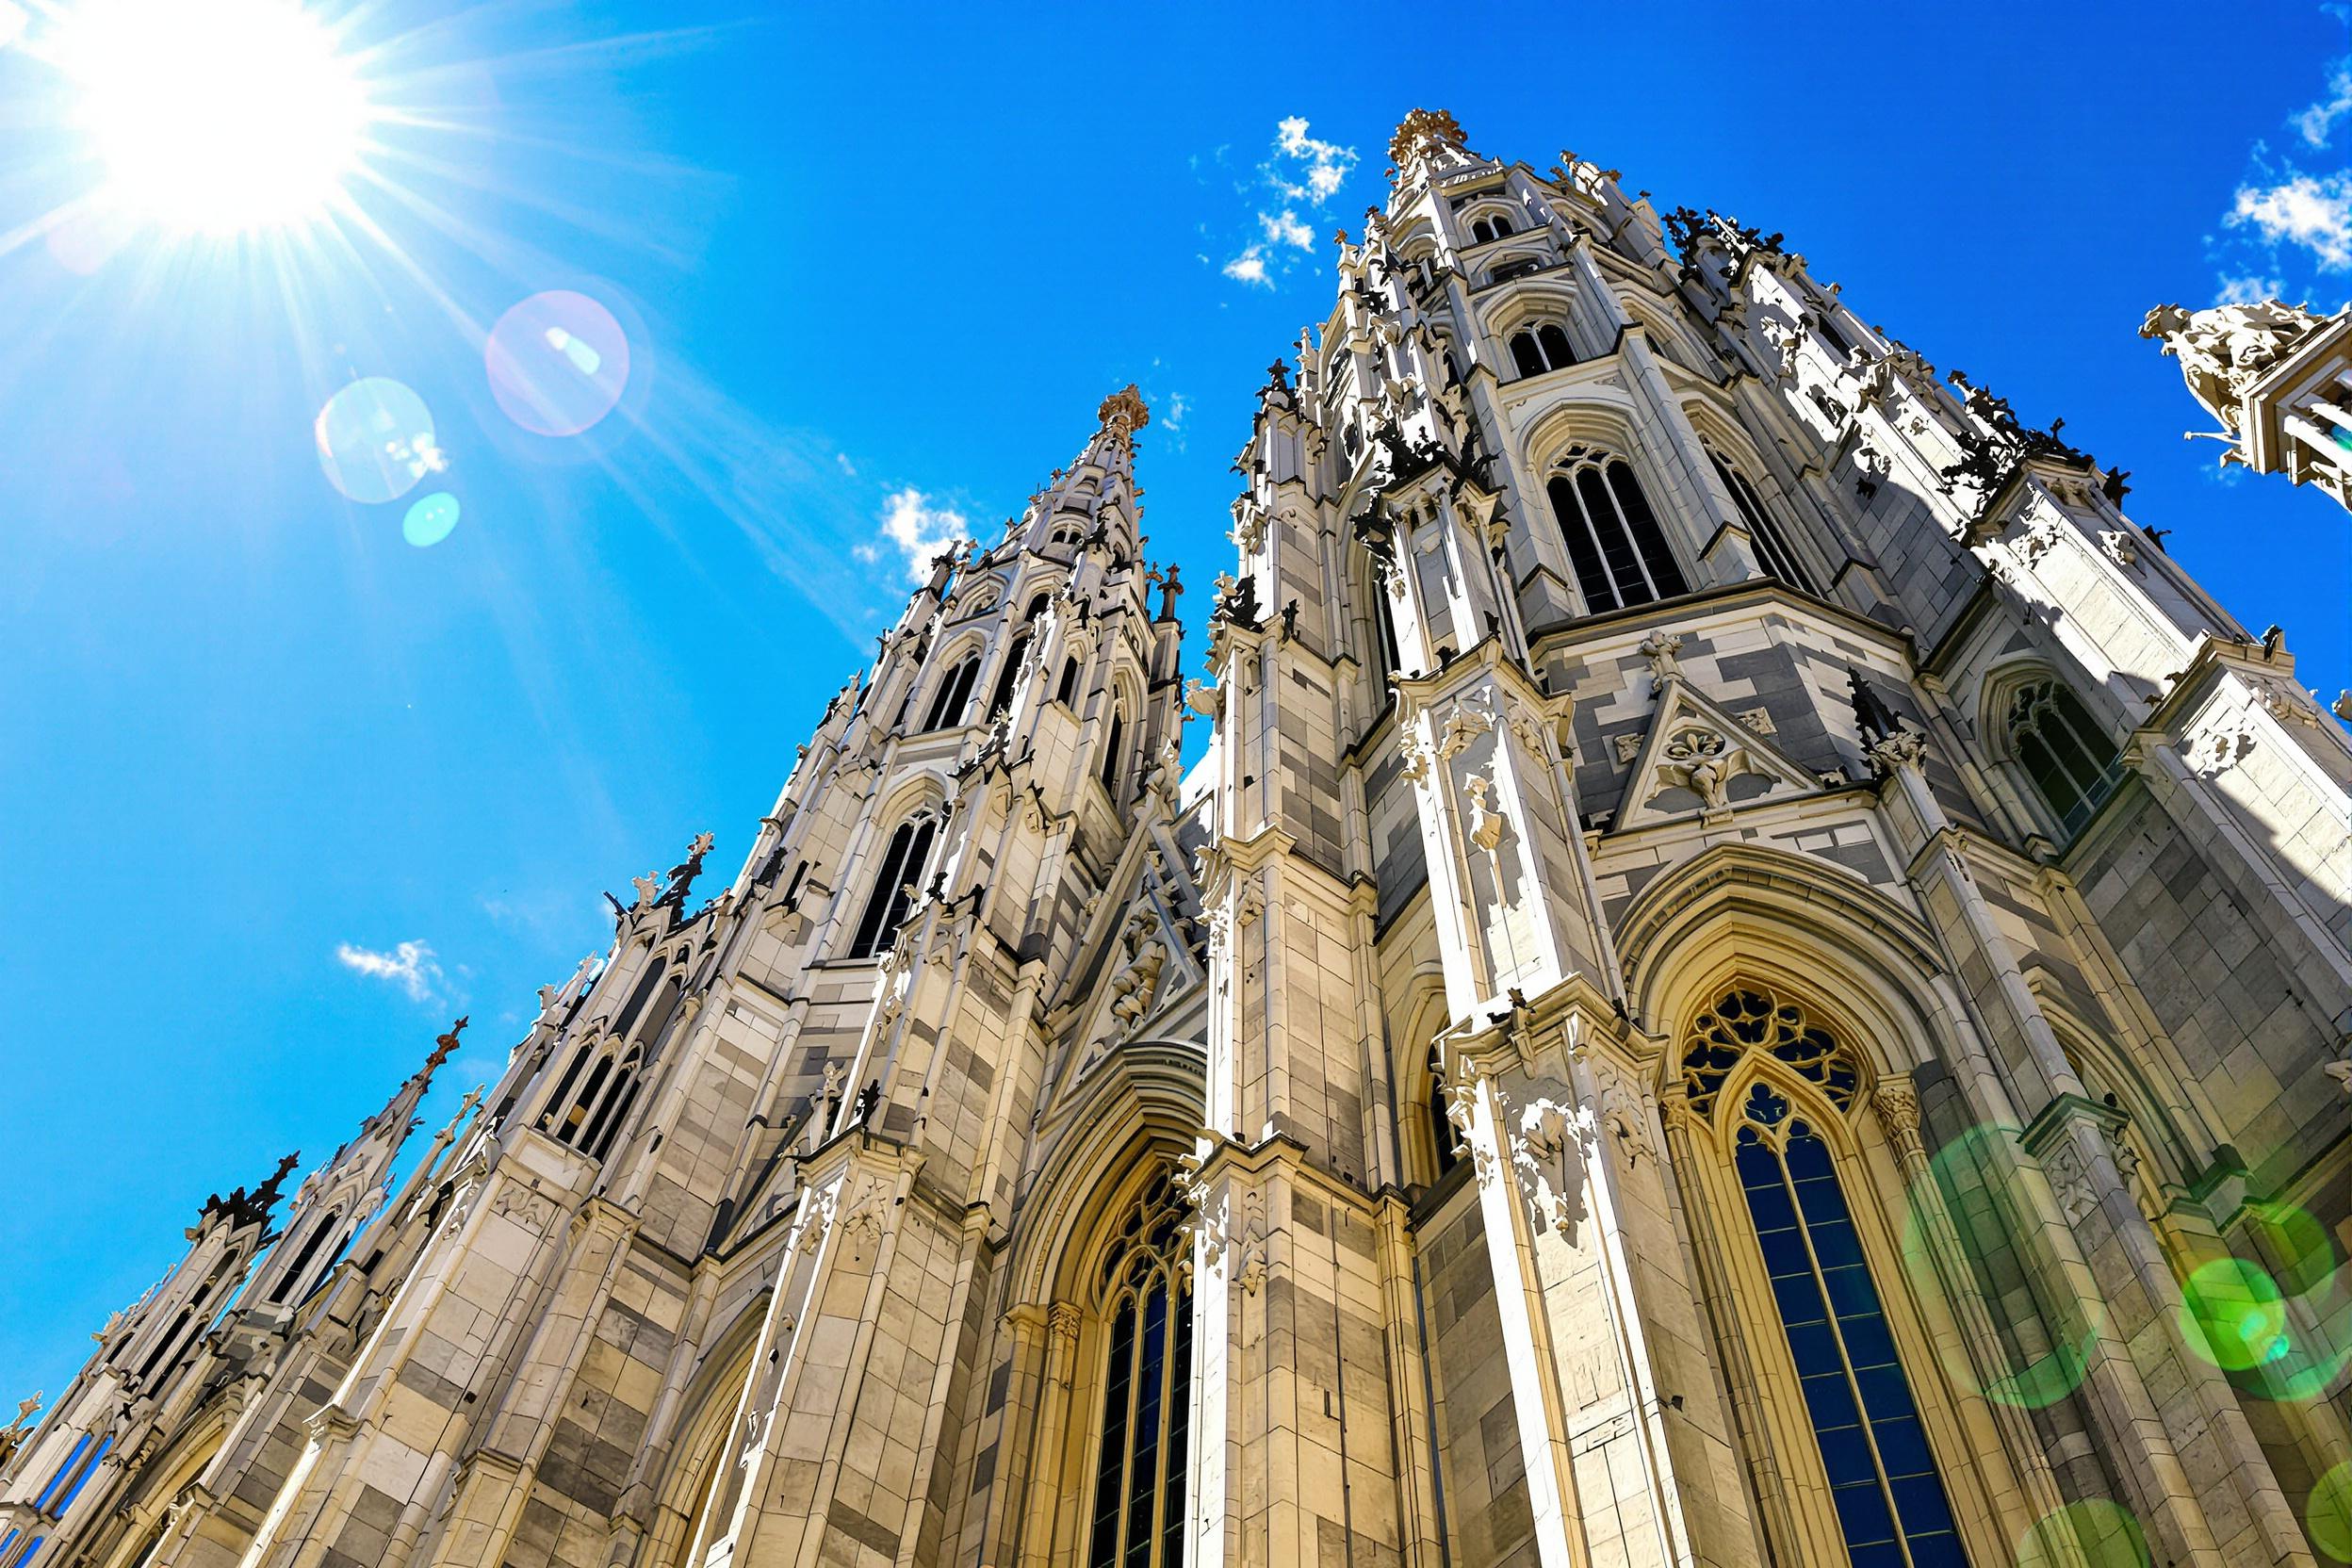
{"x": 2287, "y": 228}
{"x": 409, "y": 966}
{"x": 2318, "y": 122}
{"x": 1290, "y": 192}
{"x": 917, "y": 528}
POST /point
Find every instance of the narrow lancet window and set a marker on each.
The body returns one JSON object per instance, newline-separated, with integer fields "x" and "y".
{"x": 1618, "y": 551}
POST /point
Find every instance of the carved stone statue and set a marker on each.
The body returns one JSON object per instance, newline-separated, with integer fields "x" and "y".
{"x": 2226, "y": 350}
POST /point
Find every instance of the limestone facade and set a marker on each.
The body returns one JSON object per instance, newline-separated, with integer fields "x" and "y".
{"x": 1751, "y": 974}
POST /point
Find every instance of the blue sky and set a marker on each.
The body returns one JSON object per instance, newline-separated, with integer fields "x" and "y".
{"x": 285, "y": 792}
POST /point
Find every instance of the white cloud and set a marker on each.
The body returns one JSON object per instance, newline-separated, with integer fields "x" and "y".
{"x": 1172, "y": 412}
{"x": 2313, "y": 211}
{"x": 409, "y": 965}
{"x": 1323, "y": 165}
{"x": 1302, "y": 173}
{"x": 918, "y": 529}
{"x": 847, "y": 467}
{"x": 1249, "y": 266}
{"x": 2246, "y": 289}
{"x": 1284, "y": 228}
{"x": 2317, "y": 121}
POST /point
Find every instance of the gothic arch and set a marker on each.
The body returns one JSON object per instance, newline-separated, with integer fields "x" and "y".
{"x": 704, "y": 1439}
{"x": 1597, "y": 415}
{"x": 1427, "y": 1140}
{"x": 145, "y": 1508}
{"x": 1741, "y": 904}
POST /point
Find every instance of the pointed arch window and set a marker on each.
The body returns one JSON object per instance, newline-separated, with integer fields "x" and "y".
{"x": 1113, "y": 756}
{"x": 1618, "y": 551}
{"x": 293, "y": 1276}
{"x": 1773, "y": 551}
{"x": 1886, "y": 1493}
{"x": 954, "y": 694}
{"x": 1537, "y": 349}
{"x": 1067, "y": 692}
{"x": 1137, "y": 1512}
{"x": 1008, "y": 678}
{"x": 2062, "y": 749}
{"x": 892, "y": 893}
{"x": 1485, "y": 229}
{"x": 1883, "y": 1484}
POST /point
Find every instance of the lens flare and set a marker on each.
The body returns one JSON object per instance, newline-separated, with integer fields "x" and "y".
{"x": 430, "y": 519}
{"x": 2095, "y": 1532}
{"x": 214, "y": 117}
{"x": 376, "y": 440}
{"x": 1962, "y": 1180}
{"x": 2329, "y": 1514}
{"x": 558, "y": 363}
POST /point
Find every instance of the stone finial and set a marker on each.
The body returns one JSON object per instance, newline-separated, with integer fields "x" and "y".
{"x": 1419, "y": 128}
{"x": 1124, "y": 411}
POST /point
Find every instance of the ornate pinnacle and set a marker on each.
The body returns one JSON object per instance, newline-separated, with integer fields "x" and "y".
{"x": 1125, "y": 410}
{"x": 1420, "y": 126}
{"x": 442, "y": 1045}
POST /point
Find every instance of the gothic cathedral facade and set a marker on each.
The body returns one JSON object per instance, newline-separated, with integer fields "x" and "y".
{"x": 1750, "y": 975}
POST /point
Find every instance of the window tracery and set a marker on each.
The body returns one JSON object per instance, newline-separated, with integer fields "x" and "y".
{"x": 1744, "y": 1018}
{"x": 2070, "y": 761}
{"x": 893, "y": 891}
{"x": 1535, "y": 349}
{"x": 1136, "y": 1512}
{"x": 1618, "y": 550}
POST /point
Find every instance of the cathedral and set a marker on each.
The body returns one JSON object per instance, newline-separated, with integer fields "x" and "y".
{"x": 1750, "y": 975}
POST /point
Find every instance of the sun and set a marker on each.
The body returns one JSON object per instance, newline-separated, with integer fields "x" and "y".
{"x": 215, "y": 117}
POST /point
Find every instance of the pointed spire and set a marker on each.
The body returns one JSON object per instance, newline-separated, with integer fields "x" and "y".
{"x": 1094, "y": 497}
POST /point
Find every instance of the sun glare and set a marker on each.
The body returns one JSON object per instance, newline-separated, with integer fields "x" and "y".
{"x": 215, "y": 117}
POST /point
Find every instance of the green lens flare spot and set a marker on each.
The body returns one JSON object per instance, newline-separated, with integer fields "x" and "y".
{"x": 2233, "y": 1315}
{"x": 430, "y": 519}
{"x": 2329, "y": 1513}
{"x": 2094, "y": 1531}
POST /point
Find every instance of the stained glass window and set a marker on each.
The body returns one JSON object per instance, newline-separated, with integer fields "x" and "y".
{"x": 1137, "y": 1519}
{"x": 1889, "y": 1499}
{"x": 1745, "y": 1019}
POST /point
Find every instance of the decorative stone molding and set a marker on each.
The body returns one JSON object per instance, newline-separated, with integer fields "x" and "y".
{"x": 1897, "y": 1103}
{"x": 1658, "y": 648}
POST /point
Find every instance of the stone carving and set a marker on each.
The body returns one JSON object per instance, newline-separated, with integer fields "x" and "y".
{"x": 1659, "y": 647}
{"x": 2225, "y": 351}
{"x": 2286, "y": 703}
{"x": 1138, "y": 982}
{"x": 1897, "y": 1103}
{"x": 1758, "y": 719}
{"x": 2071, "y": 1182}
{"x": 1905, "y": 748}
{"x": 1629, "y": 747}
{"x": 1698, "y": 759}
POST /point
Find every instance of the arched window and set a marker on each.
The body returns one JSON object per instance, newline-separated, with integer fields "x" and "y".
{"x": 1882, "y": 1481}
{"x": 293, "y": 1276}
{"x": 1036, "y": 608}
{"x": 954, "y": 694}
{"x": 1884, "y": 1489}
{"x": 1008, "y": 678}
{"x": 893, "y": 893}
{"x": 2062, "y": 749}
{"x": 1771, "y": 547}
{"x": 1484, "y": 229}
{"x": 1614, "y": 542}
{"x": 590, "y": 1118}
{"x": 638, "y": 997}
{"x": 1067, "y": 692}
{"x": 1113, "y": 757}
{"x": 1384, "y": 617}
{"x": 1137, "y": 1519}
{"x": 1536, "y": 349}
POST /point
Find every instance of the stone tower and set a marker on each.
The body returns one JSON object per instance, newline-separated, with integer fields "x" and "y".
{"x": 1750, "y": 973}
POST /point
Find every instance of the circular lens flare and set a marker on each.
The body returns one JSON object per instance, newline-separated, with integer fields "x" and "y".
{"x": 558, "y": 363}
{"x": 430, "y": 519}
{"x": 376, "y": 440}
{"x": 2095, "y": 1532}
{"x": 2329, "y": 1514}
{"x": 214, "y": 117}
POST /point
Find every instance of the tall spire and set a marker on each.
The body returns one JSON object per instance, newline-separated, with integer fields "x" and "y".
{"x": 1433, "y": 134}
{"x": 1093, "y": 499}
